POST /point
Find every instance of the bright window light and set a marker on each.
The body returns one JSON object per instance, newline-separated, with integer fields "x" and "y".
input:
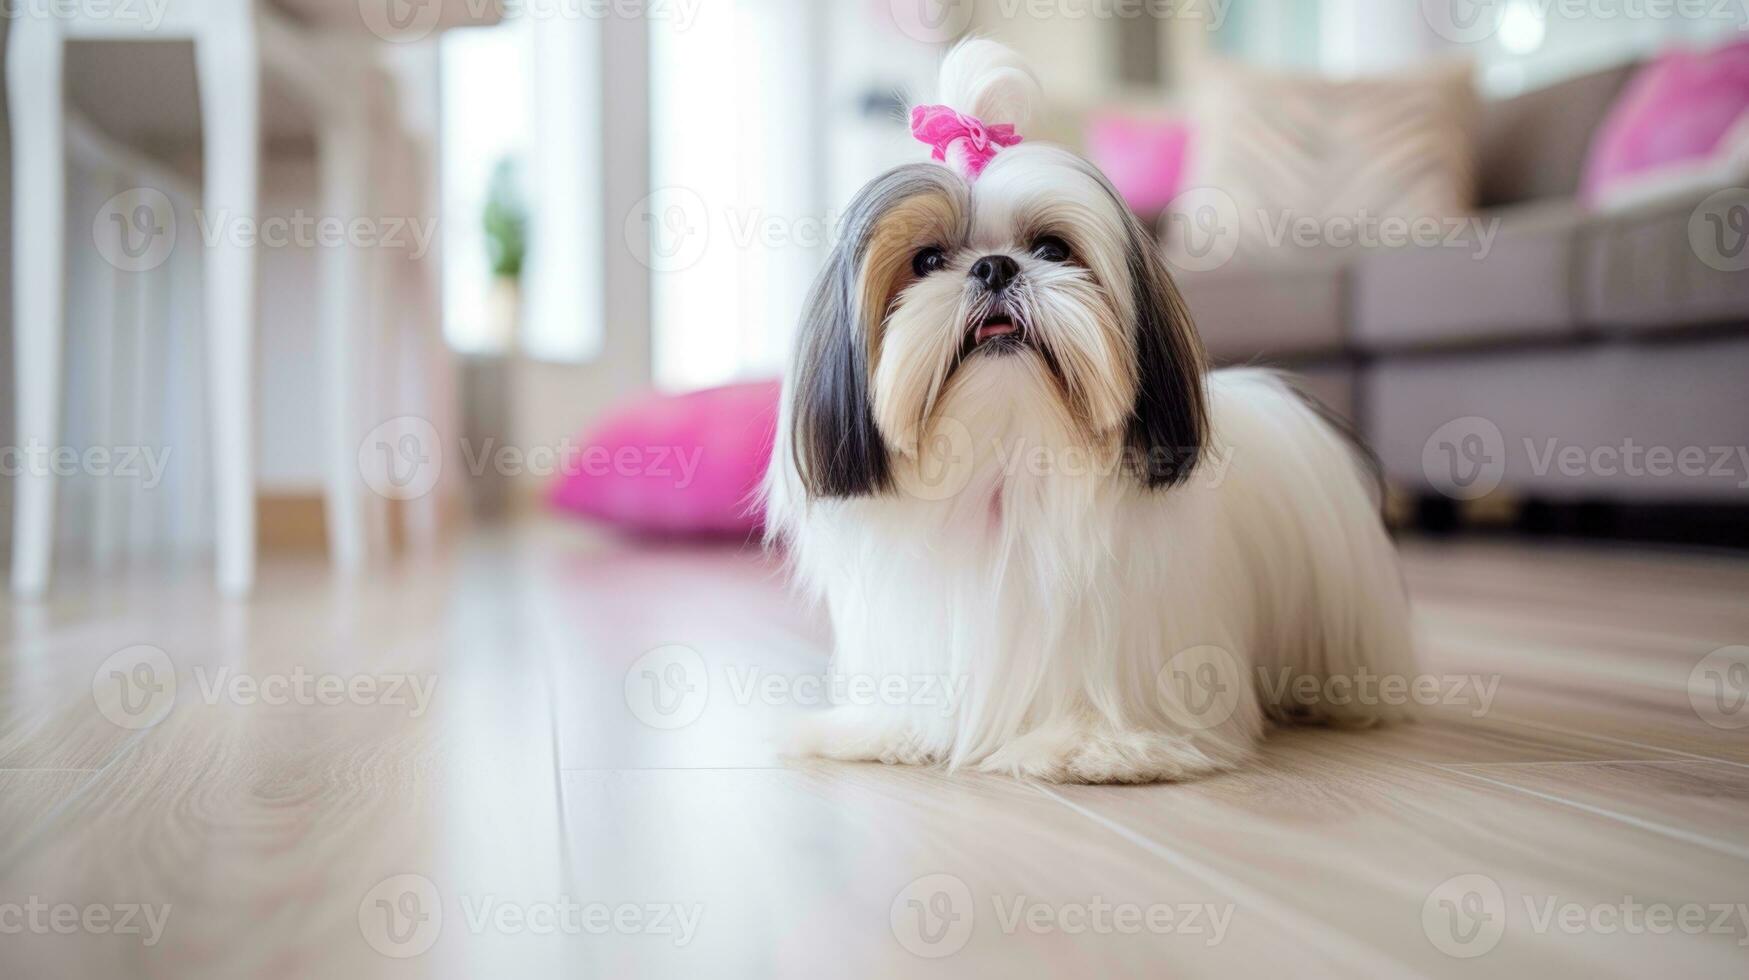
{"x": 501, "y": 86}
{"x": 1522, "y": 27}
{"x": 562, "y": 285}
{"x": 485, "y": 120}
{"x": 737, "y": 232}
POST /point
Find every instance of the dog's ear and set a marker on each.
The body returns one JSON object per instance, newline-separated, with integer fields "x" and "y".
{"x": 1168, "y": 426}
{"x": 837, "y": 449}
{"x": 836, "y": 446}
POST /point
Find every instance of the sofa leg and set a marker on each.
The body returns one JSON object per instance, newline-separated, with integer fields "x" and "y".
{"x": 1539, "y": 518}
{"x": 1589, "y": 519}
{"x": 1436, "y": 514}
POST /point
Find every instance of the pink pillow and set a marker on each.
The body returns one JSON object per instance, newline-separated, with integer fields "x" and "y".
{"x": 1674, "y": 120}
{"x": 1144, "y": 158}
{"x": 675, "y": 464}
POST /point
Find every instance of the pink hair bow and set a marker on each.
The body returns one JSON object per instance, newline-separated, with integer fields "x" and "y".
{"x": 942, "y": 128}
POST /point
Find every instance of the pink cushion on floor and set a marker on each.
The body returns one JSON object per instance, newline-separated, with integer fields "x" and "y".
{"x": 1675, "y": 115}
{"x": 675, "y": 464}
{"x": 1143, "y": 157}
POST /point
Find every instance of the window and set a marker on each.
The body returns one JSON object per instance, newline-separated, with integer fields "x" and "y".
{"x": 737, "y": 231}
{"x": 528, "y": 93}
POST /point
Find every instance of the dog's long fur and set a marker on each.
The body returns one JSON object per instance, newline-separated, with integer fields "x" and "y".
{"x": 1099, "y": 546}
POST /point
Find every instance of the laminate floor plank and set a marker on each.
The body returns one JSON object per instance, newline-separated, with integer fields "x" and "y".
{"x": 539, "y": 810}
{"x": 867, "y": 870}
{"x": 1372, "y": 851}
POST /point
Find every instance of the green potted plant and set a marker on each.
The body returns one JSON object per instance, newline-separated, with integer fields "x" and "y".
{"x": 505, "y": 221}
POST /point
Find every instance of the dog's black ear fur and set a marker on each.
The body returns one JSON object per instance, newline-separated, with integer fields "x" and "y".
{"x": 1168, "y": 426}
{"x": 837, "y": 449}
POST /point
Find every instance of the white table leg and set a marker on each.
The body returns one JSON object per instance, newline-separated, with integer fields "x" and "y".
{"x": 229, "y": 69}
{"x": 342, "y": 151}
{"x": 39, "y": 160}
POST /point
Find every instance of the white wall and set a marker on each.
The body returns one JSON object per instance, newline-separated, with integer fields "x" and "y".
{"x": 1361, "y": 37}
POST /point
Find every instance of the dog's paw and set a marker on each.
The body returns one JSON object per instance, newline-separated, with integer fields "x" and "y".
{"x": 1096, "y": 755}
{"x": 1143, "y": 757}
{"x": 1041, "y": 754}
{"x": 849, "y": 735}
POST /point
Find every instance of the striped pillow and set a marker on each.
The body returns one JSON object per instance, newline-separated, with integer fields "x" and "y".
{"x": 1287, "y": 148}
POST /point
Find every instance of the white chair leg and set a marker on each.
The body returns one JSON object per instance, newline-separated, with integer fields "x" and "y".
{"x": 423, "y": 518}
{"x": 39, "y": 156}
{"x": 189, "y": 491}
{"x": 229, "y": 70}
{"x": 343, "y": 154}
{"x": 148, "y": 417}
{"x": 381, "y": 397}
{"x": 102, "y": 334}
{"x": 430, "y": 365}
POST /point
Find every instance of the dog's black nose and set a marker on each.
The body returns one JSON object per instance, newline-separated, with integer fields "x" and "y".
{"x": 994, "y": 271}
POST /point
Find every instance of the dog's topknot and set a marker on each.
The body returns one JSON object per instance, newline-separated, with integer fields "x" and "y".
{"x": 987, "y": 80}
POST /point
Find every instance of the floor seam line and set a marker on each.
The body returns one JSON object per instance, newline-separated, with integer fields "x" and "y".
{"x": 1674, "y": 833}
{"x": 1564, "y": 762}
{"x": 1623, "y": 741}
{"x": 1235, "y": 889}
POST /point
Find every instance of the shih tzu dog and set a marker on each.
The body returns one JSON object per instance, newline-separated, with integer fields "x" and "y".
{"x": 1051, "y": 542}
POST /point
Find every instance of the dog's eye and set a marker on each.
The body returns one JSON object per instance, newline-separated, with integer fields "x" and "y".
{"x": 1051, "y": 249}
{"x": 927, "y": 260}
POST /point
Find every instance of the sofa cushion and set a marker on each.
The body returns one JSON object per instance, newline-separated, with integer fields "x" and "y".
{"x": 1303, "y": 149}
{"x": 1534, "y": 145}
{"x": 1682, "y": 122}
{"x": 1678, "y": 263}
{"x": 1142, "y": 156}
{"x": 1505, "y": 277}
{"x": 675, "y": 465}
{"x": 1247, "y": 311}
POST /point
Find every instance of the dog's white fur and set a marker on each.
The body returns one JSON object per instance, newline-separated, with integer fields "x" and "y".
{"x": 1090, "y": 628}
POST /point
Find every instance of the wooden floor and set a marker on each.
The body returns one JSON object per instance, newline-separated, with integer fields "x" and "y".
{"x": 528, "y": 816}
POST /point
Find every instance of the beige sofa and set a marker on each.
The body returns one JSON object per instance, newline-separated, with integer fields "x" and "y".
{"x": 1577, "y": 346}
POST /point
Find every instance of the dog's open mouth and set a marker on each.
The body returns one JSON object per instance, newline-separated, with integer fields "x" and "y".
{"x": 996, "y": 328}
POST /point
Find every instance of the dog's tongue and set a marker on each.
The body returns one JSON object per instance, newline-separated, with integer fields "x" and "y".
{"x": 998, "y": 328}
